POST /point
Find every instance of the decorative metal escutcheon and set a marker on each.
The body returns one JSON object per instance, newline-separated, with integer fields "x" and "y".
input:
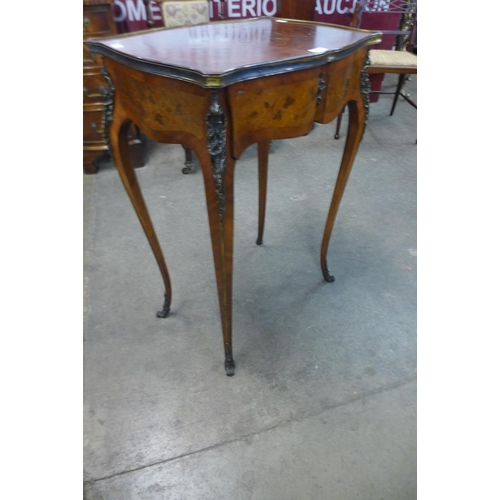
{"x": 321, "y": 87}
{"x": 86, "y": 23}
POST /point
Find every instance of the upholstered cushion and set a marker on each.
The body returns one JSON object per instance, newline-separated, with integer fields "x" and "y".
{"x": 185, "y": 13}
{"x": 392, "y": 58}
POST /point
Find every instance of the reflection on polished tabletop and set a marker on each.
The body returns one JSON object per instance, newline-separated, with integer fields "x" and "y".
{"x": 220, "y": 87}
{"x": 218, "y": 48}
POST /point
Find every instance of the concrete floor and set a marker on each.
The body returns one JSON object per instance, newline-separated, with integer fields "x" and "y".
{"x": 323, "y": 403}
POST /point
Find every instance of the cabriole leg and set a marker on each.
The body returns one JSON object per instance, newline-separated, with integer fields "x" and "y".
{"x": 119, "y": 146}
{"x": 189, "y": 163}
{"x": 218, "y": 175}
{"x": 357, "y": 114}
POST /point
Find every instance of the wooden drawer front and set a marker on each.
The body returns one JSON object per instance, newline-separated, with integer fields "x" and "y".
{"x": 94, "y": 88}
{"x": 96, "y": 21}
{"x": 93, "y": 126}
{"x": 276, "y": 107}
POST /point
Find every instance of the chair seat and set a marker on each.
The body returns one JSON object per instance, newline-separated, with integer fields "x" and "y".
{"x": 392, "y": 61}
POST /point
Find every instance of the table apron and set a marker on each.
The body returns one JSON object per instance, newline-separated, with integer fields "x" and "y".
{"x": 271, "y": 108}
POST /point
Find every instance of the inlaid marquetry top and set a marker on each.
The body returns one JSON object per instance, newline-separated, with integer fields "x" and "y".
{"x": 217, "y": 54}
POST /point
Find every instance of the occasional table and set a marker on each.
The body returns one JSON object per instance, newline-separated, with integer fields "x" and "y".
{"x": 217, "y": 88}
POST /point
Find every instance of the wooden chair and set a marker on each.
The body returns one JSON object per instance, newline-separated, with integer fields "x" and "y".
{"x": 402, "y": 59}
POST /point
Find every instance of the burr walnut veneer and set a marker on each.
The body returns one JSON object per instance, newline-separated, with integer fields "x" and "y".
{"x": 220, "y": 87}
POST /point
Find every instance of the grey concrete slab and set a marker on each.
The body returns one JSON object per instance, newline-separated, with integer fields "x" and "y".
{"x": 156, "y": 389}
{"x": 362, "y": 450}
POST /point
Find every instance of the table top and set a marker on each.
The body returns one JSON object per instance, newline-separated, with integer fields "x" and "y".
{"x": 217, "y": 54}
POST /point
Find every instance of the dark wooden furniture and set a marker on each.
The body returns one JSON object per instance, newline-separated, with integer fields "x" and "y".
{"x": 98, "y": 21}
{"x": 217, "y": 94}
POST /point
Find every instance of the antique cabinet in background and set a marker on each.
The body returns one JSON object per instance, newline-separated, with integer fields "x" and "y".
{"x": 98, "y": 21}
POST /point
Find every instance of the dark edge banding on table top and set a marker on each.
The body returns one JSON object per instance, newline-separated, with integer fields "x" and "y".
{"x": 237, "y": 74}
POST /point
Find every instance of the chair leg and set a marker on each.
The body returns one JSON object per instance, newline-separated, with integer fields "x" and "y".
{"x": 188, "y": 164}
{"x": 339, "y": 123}
{"x": 401, "y": 82}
